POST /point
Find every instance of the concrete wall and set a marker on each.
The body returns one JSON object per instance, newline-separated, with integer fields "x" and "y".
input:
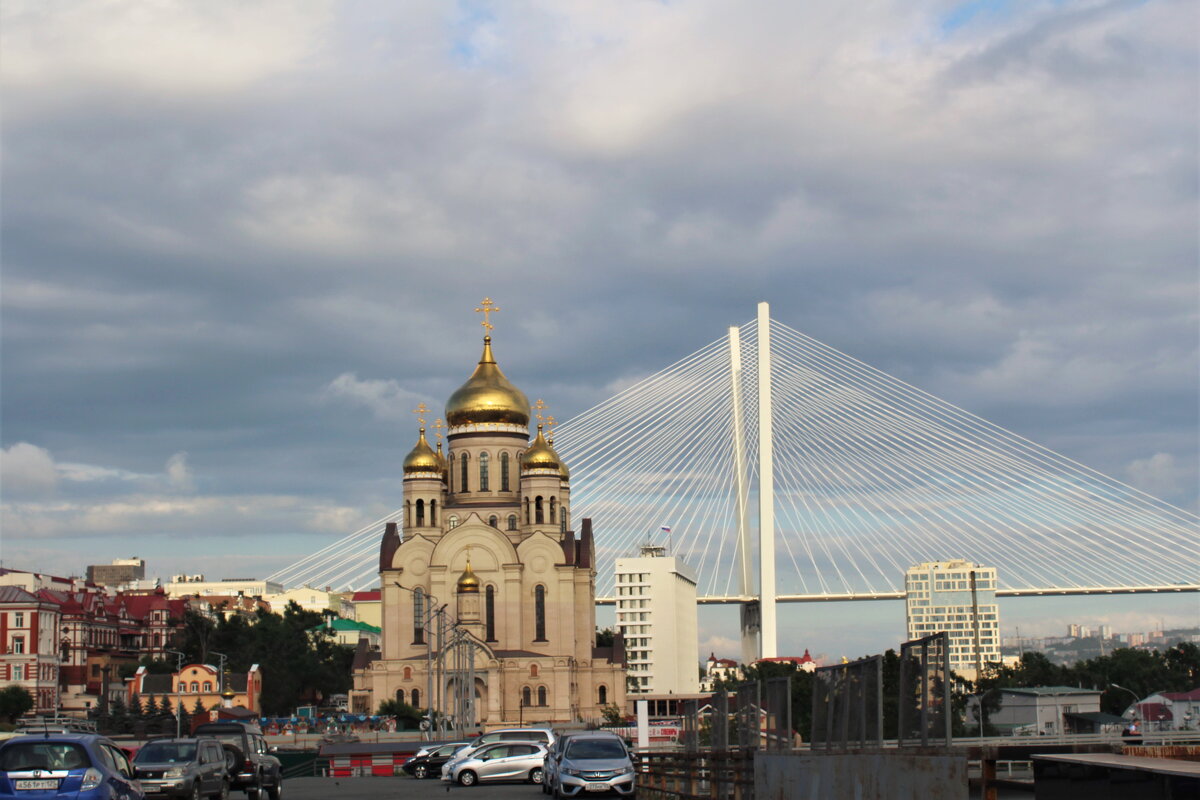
{"x": 890, "y": 775}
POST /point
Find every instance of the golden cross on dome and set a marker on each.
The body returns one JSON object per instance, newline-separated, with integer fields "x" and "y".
{"x": 487, "y": 307}
{"x": 538, "y": 408}
{"x": 421, "y": 411}
{"x": 437, "y": 426}
{"x": 550, "y": 423}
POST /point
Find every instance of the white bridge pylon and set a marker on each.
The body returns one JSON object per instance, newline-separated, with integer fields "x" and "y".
{"x": 813, "y": 476}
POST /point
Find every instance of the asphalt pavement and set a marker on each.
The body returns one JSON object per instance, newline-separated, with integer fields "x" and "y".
{"x": 400, "y": 788}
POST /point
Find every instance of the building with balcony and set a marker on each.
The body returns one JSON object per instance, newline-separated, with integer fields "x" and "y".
{"x": 656, "y": 615}
{"x": 957, "y": 597}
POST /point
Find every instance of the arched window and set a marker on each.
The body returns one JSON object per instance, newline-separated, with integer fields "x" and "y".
{"x": 452, "y": 521}
{"x": 416, "y": 698}
{"x": 208, "y": 686}
{"x": 526, "y": 696}
{"x": 538, "y": 513}
{"x": 489, "y": 613}
{"x": 420, "y": 513}
{"x": 526, "y": 510}
{"x": 533, "y": 670}
{"x": 451, "y": 481}
{"x": 494, "y": 521}
{"x": 408, "y": 673}
{"x": 399, "y": 695}
{"x": 562, "y": 522}
{"x": 504, "y": 472}
{"x": 483, "y": 472}
{"x": 418, "y": 616}
{"x": 195, "y": 686}
{"x": 602, "y": 695}
{"x": 512, "y": 522}
{"x": 553, "y": 506}
{"x": 539, "y": 613}
{"x": 433, "y": 512}
{"x": 465, "y": 487}
{"x": 408, "y": 513}
{"x": 541, "y": 695}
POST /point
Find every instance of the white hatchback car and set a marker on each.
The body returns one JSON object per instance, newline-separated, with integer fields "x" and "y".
{"x": 502, "y": 761}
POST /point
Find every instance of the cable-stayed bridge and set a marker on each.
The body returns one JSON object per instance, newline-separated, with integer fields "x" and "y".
{"x": 788, "y": 471}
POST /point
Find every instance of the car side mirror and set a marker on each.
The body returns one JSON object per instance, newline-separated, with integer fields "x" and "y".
{"x": 273, "y": 749}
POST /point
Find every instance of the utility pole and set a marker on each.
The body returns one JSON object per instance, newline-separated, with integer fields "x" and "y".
{"x": 178, "y": 691}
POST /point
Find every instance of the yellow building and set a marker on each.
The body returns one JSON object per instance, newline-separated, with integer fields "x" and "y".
{"x": 197, "y": 682}
{"x": 489, "y": 533}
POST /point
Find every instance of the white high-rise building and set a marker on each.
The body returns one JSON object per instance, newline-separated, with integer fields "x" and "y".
{"x": 656, "y": 613}
{"x": 939, "y": 597}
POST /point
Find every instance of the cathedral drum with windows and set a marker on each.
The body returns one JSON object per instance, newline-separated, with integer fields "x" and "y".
{"x": 488, "y": 533}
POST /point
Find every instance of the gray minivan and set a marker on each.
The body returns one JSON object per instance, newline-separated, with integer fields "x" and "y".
{"x": 593, "y": 762}
{"x": 191, "y": 768}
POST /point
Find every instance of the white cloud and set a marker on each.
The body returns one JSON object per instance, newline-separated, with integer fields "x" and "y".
{"x": 27, "y": 469}
{"x": 1159, "y": 475}
{"x": 179, "y": 476}
{"x": 388, "y": 400}
{"x": 721, "y": 646}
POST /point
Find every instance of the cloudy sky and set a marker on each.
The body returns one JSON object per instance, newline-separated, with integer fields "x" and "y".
{"x": 242, "y": 240}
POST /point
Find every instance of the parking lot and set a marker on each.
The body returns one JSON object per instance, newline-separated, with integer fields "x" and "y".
{"x": 405, "y": 788}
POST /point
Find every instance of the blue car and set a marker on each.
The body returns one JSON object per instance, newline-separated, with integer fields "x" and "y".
{"x": 76, "y": 766}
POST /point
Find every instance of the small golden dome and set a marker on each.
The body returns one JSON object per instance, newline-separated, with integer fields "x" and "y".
{"x": 487, "y": 396}
{"x": 443, "y": 464}
{"x": 467, "y": 582}
{"x": 563, "y": 472}
{"x": 422, "y": 458}
{"x": 540, "y": 455}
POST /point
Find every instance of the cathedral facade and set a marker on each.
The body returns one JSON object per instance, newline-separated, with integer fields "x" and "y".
{"x": 489, "y": 536}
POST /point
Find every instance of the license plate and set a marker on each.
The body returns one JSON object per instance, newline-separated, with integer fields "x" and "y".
{"x": 595, "y": 787}
{"x": 35, "y": 784}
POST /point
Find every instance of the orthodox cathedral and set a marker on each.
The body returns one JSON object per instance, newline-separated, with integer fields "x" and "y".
{"x": 489, "y": 535}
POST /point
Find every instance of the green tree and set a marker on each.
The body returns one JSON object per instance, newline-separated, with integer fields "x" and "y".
{"x": 613, "y": 714}
{"x": 135, "y": 707}
{"x": 405, "y": 714}
{"x": 199, "y": 709}
{"x": 118, "y": 716}
{"x": 605, "y": 637}
{"x": 14, "y": 701}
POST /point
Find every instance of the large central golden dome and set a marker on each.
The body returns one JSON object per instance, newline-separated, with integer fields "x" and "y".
{"x": 487, "y": 396}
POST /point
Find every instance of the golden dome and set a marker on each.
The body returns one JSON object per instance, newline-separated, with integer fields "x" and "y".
{"x": 422, "y": 458}
{"x": 487, "y": 396}
{"x": 467, "y": 582}
{"x": 563, "y": 472}
{"x": 540, "y": 455}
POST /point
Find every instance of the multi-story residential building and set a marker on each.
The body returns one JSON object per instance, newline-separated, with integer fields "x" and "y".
{"x": 29, "y": 633}
{"x": 310, "y": 599}
{"x": 656, "y": 614}
{"x": 957, "y": 597}
{"x": 159, "y": 616}
{"x": 367, "y": 607}
{"x": 121, "y": 570}
{"x": 183, "y": 585}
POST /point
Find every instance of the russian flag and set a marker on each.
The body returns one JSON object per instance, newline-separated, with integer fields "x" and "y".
{"x": 665, "y": 529}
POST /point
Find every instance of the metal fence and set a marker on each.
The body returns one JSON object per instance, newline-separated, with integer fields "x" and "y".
{"x": 777, "y": 714}
{"x": 847, "y": 705}
{"x": 924, "y": 708}
{"x": 747, "y": 714}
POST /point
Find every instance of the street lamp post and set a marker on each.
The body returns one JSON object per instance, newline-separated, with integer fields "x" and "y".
{"x": 428, "y": 612}
{"x": 178, "y": 691}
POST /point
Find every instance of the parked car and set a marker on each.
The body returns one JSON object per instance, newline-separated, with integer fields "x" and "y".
{"x": 550, "y": 764}
{"x": 191, "y": 768}
{"x": 593, "y": 763}
{"x": 501, "y": 761}
{"x": 251, "y": 765}
{"x": 542, "y": 736}
{"x": 79, "y": 766}
{"x": 428, "y": 762}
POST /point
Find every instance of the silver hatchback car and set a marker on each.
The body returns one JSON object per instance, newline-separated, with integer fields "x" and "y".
{"x": 594, "y": 762}
{"x": 504, "y": 761}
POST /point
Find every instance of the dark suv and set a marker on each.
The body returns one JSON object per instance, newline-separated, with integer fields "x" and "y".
{"x": 191, "y": 768}
{"x": 252, "y": 767}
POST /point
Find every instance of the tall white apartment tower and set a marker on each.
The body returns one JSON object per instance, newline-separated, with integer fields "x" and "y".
{"x": 960, "y": 598}
{"x": 656, "y": 613}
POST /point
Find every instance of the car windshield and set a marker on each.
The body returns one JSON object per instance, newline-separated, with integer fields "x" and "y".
{"x": 166, "y": 753}
{"x": 20, "y": 756}
{"x": 595, "y": 748}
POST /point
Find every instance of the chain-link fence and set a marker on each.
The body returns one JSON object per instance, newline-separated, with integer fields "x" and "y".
{"x": 847, "y": 705}
{"x": 924, "y": 708}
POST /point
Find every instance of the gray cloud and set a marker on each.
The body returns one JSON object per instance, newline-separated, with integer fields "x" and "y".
{"x": 253, "y": 235}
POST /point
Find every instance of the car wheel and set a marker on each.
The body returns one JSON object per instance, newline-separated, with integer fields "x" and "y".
{"x": 252, "y": 793}
{"x": 535, "y": 775}
{"x": 195, "y": 795}
{"x": 467, "y": 778}
{"x": 276, "y": 792}
{"x": 223, "y": 793}
{"x": 421, "y": 772}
